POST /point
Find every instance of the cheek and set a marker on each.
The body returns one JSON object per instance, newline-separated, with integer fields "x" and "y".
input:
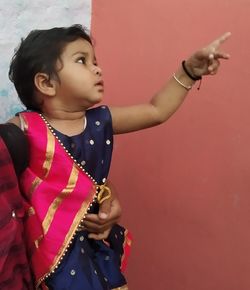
{"x": 77, "y": 79}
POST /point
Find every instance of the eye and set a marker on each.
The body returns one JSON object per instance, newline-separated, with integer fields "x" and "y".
{"x": 81, "y": 60}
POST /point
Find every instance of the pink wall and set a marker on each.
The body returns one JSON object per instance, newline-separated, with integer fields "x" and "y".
{"x": 184, "y": 186}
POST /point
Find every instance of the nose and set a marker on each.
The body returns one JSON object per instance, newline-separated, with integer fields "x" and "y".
{"x": 97, "y": 70}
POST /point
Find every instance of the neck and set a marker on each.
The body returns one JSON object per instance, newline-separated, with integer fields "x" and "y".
{"x": 67, "y": 122}
{"x": 56, "y": 110}
{"x": 57, "y": 115}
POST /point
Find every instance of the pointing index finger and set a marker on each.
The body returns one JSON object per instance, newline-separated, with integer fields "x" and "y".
{"x": 216, "y": 43}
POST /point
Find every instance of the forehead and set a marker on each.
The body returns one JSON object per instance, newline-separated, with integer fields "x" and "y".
{"x": 78, "y": 45}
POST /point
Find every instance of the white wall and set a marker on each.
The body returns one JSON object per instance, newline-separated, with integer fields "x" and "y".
{"x": 18, "y": 18}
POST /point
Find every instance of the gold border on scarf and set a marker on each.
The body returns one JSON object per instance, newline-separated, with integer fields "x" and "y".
{"x": 59, "y": 199}
{"x": 50, "y": 150}
{"x": 84, "y": 208}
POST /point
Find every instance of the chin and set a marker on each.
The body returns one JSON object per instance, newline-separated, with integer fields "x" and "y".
{"x": 99, "y": 97}
{"x": 97, "y": 100}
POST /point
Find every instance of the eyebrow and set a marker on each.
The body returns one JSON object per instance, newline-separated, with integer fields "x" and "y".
{"x": 80, "y": 52}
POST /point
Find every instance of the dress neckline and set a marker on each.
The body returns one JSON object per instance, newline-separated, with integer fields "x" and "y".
{"x": 73, "y": 136}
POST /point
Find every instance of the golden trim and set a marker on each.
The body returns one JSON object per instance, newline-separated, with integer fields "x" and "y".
{"x": 59, "y": 199}
{"x": 35, "y": 183}
{"x": 68, "y": 238}
{"x": 38, "y": 241}
{"x": 50, "y": 150}
{"x": 81, "y": 213}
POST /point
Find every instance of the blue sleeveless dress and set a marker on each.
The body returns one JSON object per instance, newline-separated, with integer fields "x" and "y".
{"x": 91, "y": 264}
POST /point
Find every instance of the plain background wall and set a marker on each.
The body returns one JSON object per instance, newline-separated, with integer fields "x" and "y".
{"x": 184, "y": 186}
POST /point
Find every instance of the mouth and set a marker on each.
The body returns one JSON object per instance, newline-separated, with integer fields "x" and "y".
{"x": 100, "y": 83}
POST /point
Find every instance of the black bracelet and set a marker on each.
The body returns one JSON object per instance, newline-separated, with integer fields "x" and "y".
{"x": 194, "y": 78}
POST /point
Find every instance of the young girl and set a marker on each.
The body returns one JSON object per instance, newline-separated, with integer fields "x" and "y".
{"x": 57, "y": 78}
{"x": 14, "y": 267}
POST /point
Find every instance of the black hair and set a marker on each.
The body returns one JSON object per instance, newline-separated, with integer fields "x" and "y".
{"x": 39, "y": 52}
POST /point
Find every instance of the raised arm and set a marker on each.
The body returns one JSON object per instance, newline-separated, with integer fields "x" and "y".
{"x": 164, "y": 103}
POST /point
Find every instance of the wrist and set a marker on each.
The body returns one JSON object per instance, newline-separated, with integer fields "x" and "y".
{"x": 183, "y": 77}
{"x": 183, "y": 80}
{"x": 189, "y": 72}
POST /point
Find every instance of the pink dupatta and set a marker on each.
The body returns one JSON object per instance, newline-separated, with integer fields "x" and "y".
{"x": 58, "y": 193}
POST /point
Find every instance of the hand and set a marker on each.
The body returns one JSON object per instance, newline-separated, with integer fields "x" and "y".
{"x": 99, "y": 225}
{"x": 206, "y": 60}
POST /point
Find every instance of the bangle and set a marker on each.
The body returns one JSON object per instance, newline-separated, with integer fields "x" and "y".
{"x": 192, "y": 77}
{"x": 183, "y": 85}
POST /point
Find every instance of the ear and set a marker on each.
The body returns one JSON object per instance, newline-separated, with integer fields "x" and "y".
{"x": 45, "y": 85}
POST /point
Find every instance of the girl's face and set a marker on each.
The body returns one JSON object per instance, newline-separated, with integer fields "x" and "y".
{"x": 81, "y": 81}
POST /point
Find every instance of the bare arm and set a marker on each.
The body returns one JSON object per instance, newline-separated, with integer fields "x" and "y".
{"x": 164, "y": 103}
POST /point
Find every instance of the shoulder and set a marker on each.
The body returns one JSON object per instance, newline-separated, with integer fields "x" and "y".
{"x": 101, "y": 113}
{"x": 12, "y": 134}
{"x": 21, "y": 119}
{"x": 16, "y": 121}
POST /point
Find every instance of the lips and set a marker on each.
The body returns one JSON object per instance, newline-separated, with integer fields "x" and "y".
{"x": 100, "y": 83}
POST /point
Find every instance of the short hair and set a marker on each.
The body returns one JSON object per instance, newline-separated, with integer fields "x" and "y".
{"x": 39, "y": 52}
